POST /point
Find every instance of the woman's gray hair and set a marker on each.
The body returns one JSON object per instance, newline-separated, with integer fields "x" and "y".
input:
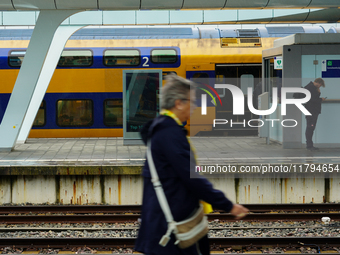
{"x": 175, "y": 88}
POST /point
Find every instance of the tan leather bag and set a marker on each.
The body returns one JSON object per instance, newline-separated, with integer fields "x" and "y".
{"x": 191, "y": 230}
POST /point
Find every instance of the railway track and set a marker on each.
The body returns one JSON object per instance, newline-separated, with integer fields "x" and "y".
{"x": 131, "y": 213}
{"x": 126, "y": 214}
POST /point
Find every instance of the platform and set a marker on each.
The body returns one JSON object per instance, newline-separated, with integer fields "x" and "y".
{"x": 111, "y": 151}
{"x": 103, "y": 170}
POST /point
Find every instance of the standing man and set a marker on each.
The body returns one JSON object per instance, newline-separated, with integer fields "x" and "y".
{"x": 314, "y": 107}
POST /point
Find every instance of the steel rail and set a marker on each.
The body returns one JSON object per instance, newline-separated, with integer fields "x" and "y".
{"x": 120, "y": 218}
{"x": 136, "y": 208}
{"x": 216, "y": 243}
{"x": 89, "y": 229}
{"x": 81, "y": 209}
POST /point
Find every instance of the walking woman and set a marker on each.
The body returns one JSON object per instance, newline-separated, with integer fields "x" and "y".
{"x": 174, "y": 159}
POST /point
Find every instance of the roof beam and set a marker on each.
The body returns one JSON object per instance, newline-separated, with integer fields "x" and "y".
{"x": 168, "y": 17}
{"x": 163, "y": 4}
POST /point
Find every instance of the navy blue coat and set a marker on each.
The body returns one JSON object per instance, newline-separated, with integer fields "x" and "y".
{"x": 314, "y": 104}
{"x": 173, "y": 161}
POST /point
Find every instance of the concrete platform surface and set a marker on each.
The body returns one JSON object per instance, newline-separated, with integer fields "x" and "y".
{"x": 103, "y": 170}
{"x": 112, "y": 152}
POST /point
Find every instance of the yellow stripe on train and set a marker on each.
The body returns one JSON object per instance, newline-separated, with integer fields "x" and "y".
{"x": 81, "y": 132}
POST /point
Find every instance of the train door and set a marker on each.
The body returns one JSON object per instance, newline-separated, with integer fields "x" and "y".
{"x": 204, "y": 78}
{"x": 242, "y": 76}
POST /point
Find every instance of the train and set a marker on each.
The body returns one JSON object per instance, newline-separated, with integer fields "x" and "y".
{"x": 85, "y": 97}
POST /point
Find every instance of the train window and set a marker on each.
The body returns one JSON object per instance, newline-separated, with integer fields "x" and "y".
{"x": 162, "y": 56}
{"x": 121, "y": 57}
{"x": 202, "y": 78}
{"x": 75, "y": 58}
{"x": 40, "y": 119}
{"x": 113, "y": 112}
{"x": 16, "y": 57}
{"x": 200, "y": 75}
{"x": 164, "y": 74}
{"x": 74, "y": 113}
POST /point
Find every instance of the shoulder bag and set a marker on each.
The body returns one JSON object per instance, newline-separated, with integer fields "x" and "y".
{"x": 188, "y": 231}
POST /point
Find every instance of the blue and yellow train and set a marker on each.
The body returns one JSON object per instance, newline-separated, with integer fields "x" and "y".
{"x": 85, "y": 95}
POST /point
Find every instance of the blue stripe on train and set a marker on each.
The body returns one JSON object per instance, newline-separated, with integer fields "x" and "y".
{"x": 51, "y": 107}
{"x": 4, "y": 98}
{"x": 145, "y": 60}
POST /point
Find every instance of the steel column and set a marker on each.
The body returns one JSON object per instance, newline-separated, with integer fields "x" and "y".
{"x": 58, "y": 43}
{"x": 31, "y": 71}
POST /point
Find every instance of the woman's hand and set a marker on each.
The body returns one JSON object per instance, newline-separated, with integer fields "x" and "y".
{"x": 239, "y": 211}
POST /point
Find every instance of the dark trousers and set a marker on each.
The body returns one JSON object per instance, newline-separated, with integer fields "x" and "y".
{"x": 311, "y": 123}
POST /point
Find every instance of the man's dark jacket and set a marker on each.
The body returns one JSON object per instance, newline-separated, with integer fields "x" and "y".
{"x": 174, "y": 161}
{"x": 314, "y": 104}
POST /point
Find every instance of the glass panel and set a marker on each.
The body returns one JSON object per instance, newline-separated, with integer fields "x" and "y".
{"x": 72, "y": 113}
{"x": 74, "y": 58}
{"x": 16, "y": 57}
{"x": 121, "y": 58}
{"x": 141, "y": 99}
{"x": 243, "y": 77}
{"x": 275, "y": 81}
{"x": 247, "y": 80}
{"x": 220, "y": 79}
{"x": 40, "y": 119}
{"x": 113, "y": 112}
{"x": 164, "y": 56}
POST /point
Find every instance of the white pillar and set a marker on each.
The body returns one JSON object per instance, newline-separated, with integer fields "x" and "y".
{"x": 28, "y": 77}
{"x": 58, "y": 43}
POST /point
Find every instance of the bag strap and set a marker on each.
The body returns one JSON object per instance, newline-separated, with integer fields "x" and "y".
{"x": 161, "y": 197}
